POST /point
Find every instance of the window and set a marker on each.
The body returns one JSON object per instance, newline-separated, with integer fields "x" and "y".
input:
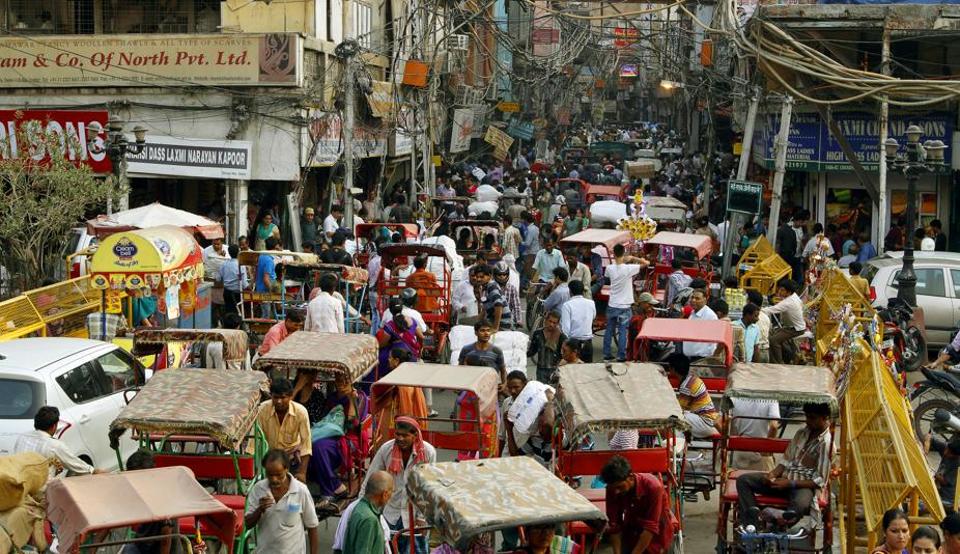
{"x": 955, "y": 276}
{"x": 363, "y": 24}
{"x": 930, "y": 282}
{"x": 121, "y": 371}
{"x": 20, "y": 399}
{"x": 83, "y": 383}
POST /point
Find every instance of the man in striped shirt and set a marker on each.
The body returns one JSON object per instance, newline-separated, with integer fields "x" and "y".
{"x": 802, "y": 473}
{"x": 693, "y": 397}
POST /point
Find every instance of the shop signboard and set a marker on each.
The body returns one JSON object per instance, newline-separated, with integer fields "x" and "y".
{"x": 812, "y": 147}
{"x": 202, "y": 158}
{"x": 67, "y": 127}
{"x": 744, "y": 197}
{"x": 148, "y": 60}
{"x": 522, "y": 130}
{"x": 324, "y": 144}
{"x": 498, "y": 139}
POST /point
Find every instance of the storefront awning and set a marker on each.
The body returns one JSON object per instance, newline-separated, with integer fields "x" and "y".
{"x": 154, "y": 215}
{"x": 159, "y": 256}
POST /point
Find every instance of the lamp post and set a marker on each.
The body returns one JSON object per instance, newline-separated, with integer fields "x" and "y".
{"x": 919, "y": 158}
{"x": 116, "y": 147}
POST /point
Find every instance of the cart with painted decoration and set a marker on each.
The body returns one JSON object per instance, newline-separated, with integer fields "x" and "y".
{"x": 205, "y": 420}
{"x": 693, "y": 251}
{"x": 87, "y": 507}
{"x": 603, "y": 398}
{"x": 468, "y": 502}
{"x": 434, "y": 292}
{"x": 787, "y": 385}
{"x": 161, "y": 267}
{"x": 471, "y": 429}
{"x": 206, "y": 348}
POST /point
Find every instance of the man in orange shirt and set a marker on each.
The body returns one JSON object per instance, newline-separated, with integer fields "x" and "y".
{"x": 422, "y": 280}
{"x": 281, "y": 330}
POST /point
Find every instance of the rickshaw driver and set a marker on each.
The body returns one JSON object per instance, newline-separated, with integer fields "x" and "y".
{"x": 804, "y": 470}
{"x": 638, "y": 509}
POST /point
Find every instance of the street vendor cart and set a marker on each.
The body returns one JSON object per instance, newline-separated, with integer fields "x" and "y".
{"x": 205, "y": 420}
{"x": 469, "y": 501}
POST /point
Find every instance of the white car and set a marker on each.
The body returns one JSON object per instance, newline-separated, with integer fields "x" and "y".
{"x": 85, "y": 379}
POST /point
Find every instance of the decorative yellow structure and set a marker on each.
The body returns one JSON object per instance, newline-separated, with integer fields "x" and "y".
{"x": 56, "y": 310}
{"x": 764, "y": 275}
{"x": 834, "y": 291}
{"x": 760, "y": 250}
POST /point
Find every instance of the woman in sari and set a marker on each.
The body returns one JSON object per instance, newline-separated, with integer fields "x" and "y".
{"x": 399, "y": 332}
{"x": 399, "y": 400}
{"x": 333, "y": 456}
{"x": 265, "y": 229}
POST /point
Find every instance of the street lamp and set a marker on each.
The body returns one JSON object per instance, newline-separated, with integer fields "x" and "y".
{"x": 919, "y": 158}
{"x": 116, "y": 146}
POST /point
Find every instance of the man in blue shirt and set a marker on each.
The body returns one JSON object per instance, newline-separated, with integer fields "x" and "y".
{"x": 547, "y": 260}
{"x": 267, "y": 274}
{"x": 867, "y": 250}
{"x": 234, "y": 280}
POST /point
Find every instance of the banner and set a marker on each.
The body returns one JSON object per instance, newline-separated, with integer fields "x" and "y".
{"x": 67, "y": 127}
{"x": 462, "y": 130}
{"x": 147, "y": 60}
{"x": 325, "y": 140}
{"x": 216, "y": 159}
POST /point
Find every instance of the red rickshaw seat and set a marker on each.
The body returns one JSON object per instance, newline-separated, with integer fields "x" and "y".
{"x": 187, "y": 527}
{"x": 235, "y": 502}
{"x": 206, "y": 466}
{"x": 594, "y": 495}
{"x": 453, "y": 440}
{"x": 590, "y": 462}
{"x": 730, "y": 495}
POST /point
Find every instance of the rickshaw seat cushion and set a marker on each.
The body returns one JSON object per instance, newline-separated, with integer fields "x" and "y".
{"x": 642, "y": 460}
{"x": 594, "y": 495}
{"x": 735, "y": 473}
{"x": 209, "y": 466}
{"x": 186, "y": 525}
{"x": 760, "y": 445}
{"x": 730, "y": 495}
{"x": 453, "y": 440}
{"x": 232, "y": 501}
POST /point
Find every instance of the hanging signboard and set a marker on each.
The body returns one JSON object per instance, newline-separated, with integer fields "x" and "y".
{"x": 215, "y": 159}
{"x": 522, "y": 130}
{"x": 325, "y": 140}
{"x": 462, "y": 131}
{"x": 498, "y": 139}
{"x": 508, "y": 107}
{"x": 744, "y": 197}
{"x": 66, "y": 127}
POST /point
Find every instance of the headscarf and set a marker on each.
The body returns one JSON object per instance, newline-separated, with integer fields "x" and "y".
{"x": 395, "y": 466}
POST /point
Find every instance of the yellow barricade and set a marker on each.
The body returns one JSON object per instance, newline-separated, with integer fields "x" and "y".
{"x": 764, "y": 276}
{"x": 60, "y": 309}
{"x": 760, "y": 250}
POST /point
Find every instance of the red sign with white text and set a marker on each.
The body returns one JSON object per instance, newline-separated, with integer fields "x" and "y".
{"x": 43, "y": 129}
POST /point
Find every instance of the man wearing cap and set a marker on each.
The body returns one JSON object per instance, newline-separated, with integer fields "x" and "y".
{"x": 308, "y": 227}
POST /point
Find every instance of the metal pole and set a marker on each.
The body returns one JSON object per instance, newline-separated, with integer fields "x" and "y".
{"x": 348, "y": 123}
{"x": 907, "y": 280}
{"x": 884, "y": 131}
{"x": 781, "y": 168}
{"x": 748, "y": 136}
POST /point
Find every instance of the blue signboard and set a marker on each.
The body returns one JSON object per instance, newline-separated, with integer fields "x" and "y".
{"x": 522, "y": 130}
{"x": 813, "y": 148}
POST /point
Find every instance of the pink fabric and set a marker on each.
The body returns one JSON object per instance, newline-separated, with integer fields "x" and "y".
{"x": 419, "y": 452}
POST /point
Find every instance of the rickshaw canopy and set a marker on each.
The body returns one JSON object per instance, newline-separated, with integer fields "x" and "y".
{"x": 146, "y": 258}
{"x": 690, "y": 330}
{"x": 605, "y": 190}
{"x": 332, "y": 355}
{"x": 235, "y": 341}
{"x": 592, "y": 399}
{"x": 481, "y": 381}
{"x": 465, "y": 499}
{"x": 284, "y": 257}
{"x": 209, "y": 402}
{"x": 85, "y": 504}
{"x": 592, "y": 237}
{"x": 700, "y": 244}
{"x": 790, "y": 384}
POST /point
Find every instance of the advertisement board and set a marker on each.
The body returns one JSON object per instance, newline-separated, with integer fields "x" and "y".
{"x": 67, "y": 127}
{"x": 215, "y": 159}
{"x": 462, "y": 130}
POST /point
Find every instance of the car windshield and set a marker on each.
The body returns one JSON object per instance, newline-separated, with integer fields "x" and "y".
{"x": 19, "y": 398}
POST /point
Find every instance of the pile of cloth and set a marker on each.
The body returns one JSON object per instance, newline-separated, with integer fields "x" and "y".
{"x": 513, "y": 343}
{"x": 22, "y": 480}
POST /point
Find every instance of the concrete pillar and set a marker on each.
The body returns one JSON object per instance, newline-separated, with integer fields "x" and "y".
{"x": 236, "y": 210}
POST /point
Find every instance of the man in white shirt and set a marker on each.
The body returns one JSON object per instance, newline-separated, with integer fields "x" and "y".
{"x": 332, "y": 222}
{"x": 620, "y": 306}
{"x": 282, "y": 510}
{"x": 576, "y": 319}
{"x": 41, "y": 441}
{"x": 325, "y": 312}
{"x": 754, "y": 418}
{"x": 792, "y": 324}
{"x": 213, "y": 257}
{"x": 464, "y": 297}
{"x": 546, "y": 260}
{"x": 697, "y": 350}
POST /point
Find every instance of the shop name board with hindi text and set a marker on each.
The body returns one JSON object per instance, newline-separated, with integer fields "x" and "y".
{"x": 812, "y": 147}
{"x": 744, "y": 197}
{"x": 67, "y": 128}
{"x": 146, "y": 60}
{"x": 508, "y": 107}
{"x": 218, "y": 159}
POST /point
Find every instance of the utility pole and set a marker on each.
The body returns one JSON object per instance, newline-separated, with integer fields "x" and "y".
{"x": 780, "y": 165}
{"x": 736, "y": 219}
{"x": 884, "y": 132}
{"x": 346, "y": 50}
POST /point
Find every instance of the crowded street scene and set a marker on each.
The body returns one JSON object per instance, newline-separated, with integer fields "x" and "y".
{"x": 537, "y": 277}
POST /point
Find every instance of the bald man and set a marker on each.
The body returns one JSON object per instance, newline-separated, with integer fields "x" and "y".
{"x": 362, "y": 528}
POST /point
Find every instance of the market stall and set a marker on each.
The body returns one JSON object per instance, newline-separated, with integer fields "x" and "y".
{"x": 162, "y": 265}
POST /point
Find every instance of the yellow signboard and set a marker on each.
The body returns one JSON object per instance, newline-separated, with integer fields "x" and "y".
{"x": 498, "y": 139}
{"x": 146, "y": 60}
{"x": 508, "y": 107}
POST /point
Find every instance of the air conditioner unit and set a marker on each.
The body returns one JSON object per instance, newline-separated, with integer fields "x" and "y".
{"x": 458, "y": 43}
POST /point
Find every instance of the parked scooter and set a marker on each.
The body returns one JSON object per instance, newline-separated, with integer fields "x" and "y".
{"x": 901, "y": 336}
{"x": 938, "y": 411}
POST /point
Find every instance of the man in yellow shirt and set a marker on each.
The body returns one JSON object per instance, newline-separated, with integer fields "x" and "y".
{"x": 859, "y": 282}
{"x": 286, "y": 425}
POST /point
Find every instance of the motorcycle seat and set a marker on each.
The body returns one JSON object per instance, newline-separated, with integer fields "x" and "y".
{"x": 944, "y": 379}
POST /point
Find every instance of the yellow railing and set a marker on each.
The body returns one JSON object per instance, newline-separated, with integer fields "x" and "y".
{"x": 60, "y": 309}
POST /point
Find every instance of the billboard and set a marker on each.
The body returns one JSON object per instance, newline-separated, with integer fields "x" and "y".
{"x": 67, "y": 127}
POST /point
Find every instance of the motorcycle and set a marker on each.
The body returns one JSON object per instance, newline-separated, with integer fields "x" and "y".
{"x": 938, "y": 412}
{"x": 901, "y": 336}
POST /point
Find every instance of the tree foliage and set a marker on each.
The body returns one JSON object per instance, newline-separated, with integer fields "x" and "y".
{"x": 40, "y": 201}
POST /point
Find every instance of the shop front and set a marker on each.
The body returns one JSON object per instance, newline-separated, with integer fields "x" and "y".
{"x": 834, "y": 194}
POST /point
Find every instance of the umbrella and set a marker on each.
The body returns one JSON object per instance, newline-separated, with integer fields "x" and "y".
{"x": 154, "y": 215}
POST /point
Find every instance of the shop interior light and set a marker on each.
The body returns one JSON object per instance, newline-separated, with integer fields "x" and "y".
{"x": 670, "y": 85}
